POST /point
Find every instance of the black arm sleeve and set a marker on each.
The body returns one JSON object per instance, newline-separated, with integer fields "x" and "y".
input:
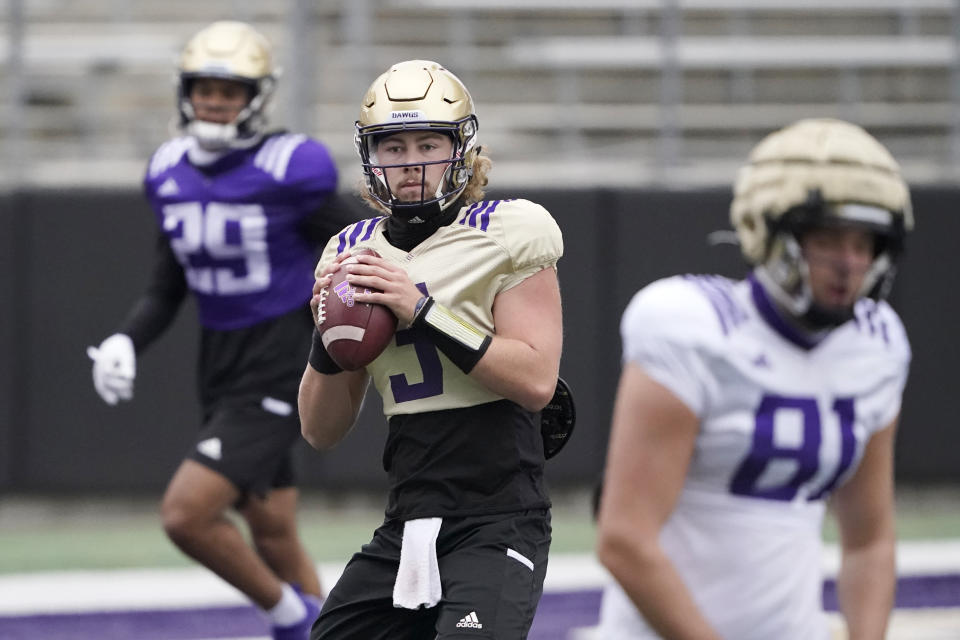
{"x": 157, "y": 307}
{"x": 334, "y": 214}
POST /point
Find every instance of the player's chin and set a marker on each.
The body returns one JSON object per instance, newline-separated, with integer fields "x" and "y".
{"x": 410, "y": 195}
{"x": 215, "y": 118}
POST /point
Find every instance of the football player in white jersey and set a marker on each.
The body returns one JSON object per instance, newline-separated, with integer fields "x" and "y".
{"x": 743, "y": 406}
{"x": 473, "y": 283}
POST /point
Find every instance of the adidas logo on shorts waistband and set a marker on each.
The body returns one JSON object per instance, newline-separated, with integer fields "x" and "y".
{"x": 469, "y": 621}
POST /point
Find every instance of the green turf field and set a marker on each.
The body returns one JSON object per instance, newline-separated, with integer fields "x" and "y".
{"x": 94, "y": 533}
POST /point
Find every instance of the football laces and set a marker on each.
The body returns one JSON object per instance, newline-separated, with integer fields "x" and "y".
{"x": 321, "y": 308}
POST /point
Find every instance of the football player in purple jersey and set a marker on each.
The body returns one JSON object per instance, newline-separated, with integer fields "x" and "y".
{"x": 241, "y": 214}
{"x": 744, "y": 405}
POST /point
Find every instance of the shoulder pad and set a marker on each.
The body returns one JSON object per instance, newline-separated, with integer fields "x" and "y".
{"x": 525, "y": 229}
{"x": 718, "y": 291}
{"x": 168, "y": 155}
{"x": 686, "y": 307}
{"x": 349, "y": 237}
{"x": 354, "y": 233}
{"x": 275, "y": 153}
{"x": 877, "y": 321}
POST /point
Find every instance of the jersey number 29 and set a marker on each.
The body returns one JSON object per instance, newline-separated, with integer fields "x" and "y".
{"x": 223, "y": 247}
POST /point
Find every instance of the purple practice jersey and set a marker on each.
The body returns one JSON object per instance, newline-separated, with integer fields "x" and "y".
{"x": 236, "y": 226}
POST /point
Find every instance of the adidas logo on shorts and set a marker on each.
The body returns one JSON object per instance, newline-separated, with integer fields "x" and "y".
{"x": 469, "y": 621}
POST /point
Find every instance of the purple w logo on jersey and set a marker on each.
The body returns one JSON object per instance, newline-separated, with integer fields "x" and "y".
{"x": 345, "y": 292}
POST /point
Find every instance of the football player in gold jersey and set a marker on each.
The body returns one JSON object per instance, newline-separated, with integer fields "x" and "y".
{"x": 476, "y": 356}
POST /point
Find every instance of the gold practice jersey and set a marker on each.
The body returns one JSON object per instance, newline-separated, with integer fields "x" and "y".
{"x": 490, "y": 247}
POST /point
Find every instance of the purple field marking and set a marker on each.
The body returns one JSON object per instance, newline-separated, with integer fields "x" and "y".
{"x": 913, "y": 592}
{"x": 558, "y": 613}
{"x": 171, "y": 624}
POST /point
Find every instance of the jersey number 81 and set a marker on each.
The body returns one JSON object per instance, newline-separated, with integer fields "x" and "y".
{"x": 764, "y": 448}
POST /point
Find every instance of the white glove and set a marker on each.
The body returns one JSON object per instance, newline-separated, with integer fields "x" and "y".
{"x": 114, "y": 368}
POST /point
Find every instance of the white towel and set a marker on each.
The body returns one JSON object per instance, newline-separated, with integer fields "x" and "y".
{"x": 418, "y": 578}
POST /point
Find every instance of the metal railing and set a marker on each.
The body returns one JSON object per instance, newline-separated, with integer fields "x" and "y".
{"x": 611, "y": 92}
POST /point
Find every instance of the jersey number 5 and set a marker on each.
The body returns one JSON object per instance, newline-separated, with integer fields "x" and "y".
{"x": 805, "y": 456}
{"x": 430, "y": 366}
{"x": 223, "y": 249}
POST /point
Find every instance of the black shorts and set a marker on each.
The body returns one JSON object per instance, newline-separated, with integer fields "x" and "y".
{"x": 250, "y": 445}
{"x": 491, "y": 571}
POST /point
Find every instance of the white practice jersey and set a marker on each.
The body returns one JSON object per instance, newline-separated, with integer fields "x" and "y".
{"x": 782, "y": 423}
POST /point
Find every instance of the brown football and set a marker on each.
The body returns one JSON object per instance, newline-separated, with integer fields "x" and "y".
{"x": 354, "y": 333}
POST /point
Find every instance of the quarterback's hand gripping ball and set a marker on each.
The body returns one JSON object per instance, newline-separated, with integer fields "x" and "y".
{"x": 353, "y": 333}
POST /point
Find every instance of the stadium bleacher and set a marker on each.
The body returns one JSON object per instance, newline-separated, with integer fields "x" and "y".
{"x": 569, "y": 93}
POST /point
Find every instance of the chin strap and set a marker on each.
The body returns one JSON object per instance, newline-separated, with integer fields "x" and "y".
{"x": 211, "y": 136}
{"x": 795, "y": 304}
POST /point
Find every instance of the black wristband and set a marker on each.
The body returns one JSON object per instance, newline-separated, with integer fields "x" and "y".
{"x": 319, "y": 359}
{"x": 442, "y": 327}
{"x": 418, "y": 309}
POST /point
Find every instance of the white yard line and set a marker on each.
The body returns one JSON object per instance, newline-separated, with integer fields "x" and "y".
{"x": 195, "y": 587}
{"x": 582, "y": 571}
{"x": 905, "y": 624}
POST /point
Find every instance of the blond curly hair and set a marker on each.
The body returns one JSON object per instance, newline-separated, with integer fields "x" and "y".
{"x": 473, "y": 192}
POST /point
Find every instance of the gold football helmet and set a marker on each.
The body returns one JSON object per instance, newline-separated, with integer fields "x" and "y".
{"x": 812, "y": 173}
{"x": 231, "y": 51}
{"x": 418, "y": 95}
